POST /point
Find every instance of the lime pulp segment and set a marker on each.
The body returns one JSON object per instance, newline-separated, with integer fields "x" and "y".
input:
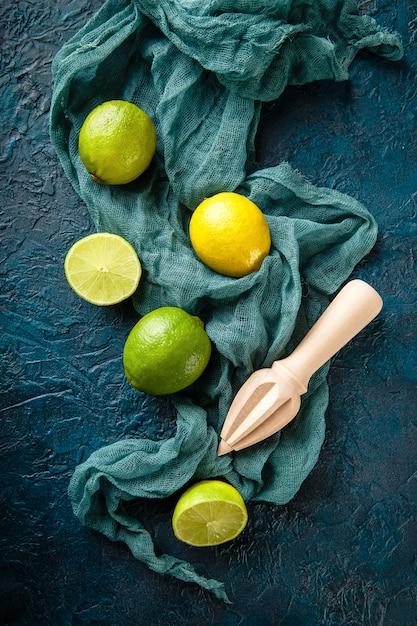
{"x": 209, "y": 513}
{"x": 210, "y": 523}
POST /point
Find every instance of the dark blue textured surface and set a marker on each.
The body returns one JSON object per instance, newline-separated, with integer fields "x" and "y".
{"x": 343, "y": 552}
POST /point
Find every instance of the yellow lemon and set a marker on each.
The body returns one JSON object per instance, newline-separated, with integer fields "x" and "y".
{"x": 230, "y": 234}
{"x": 166, "y": 351}
{"x": 117, "y": 142}
{"x": 209, "y": 513}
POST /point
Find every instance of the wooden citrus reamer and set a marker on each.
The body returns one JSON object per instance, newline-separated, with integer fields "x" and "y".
{"x": 271, "y": 397}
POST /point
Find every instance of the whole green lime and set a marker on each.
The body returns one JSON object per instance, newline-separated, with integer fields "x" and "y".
{"x": 117, "y": 142}
{"x": 166, "y": 351}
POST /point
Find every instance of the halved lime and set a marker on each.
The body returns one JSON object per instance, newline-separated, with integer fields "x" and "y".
{"x": 209, "y": 513}
{"x": 103, "y": 268}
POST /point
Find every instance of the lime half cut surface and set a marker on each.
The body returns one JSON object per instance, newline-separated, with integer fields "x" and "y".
{"x": 103, "y": 269}
{"x": 209, "y": 513}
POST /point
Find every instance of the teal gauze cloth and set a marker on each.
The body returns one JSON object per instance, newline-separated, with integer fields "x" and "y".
{"x": 202, "y": 70}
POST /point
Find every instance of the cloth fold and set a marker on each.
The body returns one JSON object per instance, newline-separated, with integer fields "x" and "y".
{"x": 202, "y": 71}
